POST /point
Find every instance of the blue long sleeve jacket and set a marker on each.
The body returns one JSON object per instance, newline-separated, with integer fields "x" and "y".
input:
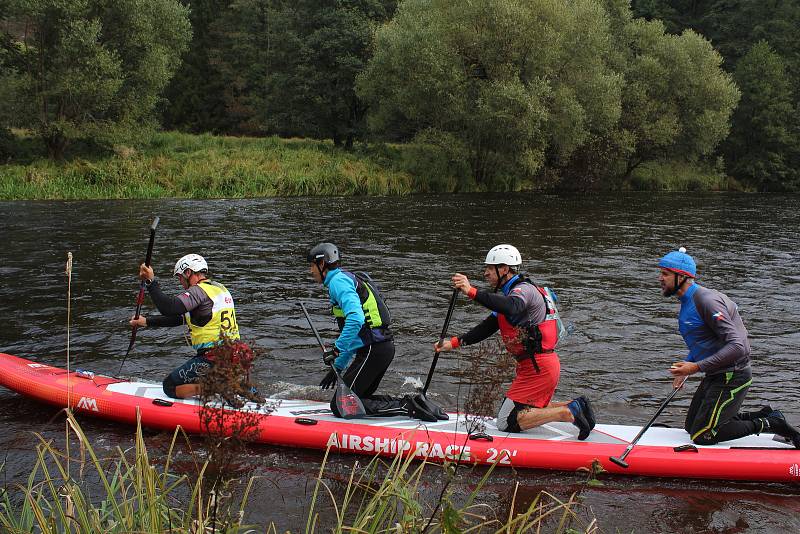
{"x": 342, "y": 293}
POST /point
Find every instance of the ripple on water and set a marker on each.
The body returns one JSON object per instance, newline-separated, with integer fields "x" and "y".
{"x": 599, "y": 253}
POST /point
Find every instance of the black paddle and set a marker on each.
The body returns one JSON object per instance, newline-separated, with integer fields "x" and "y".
{"x": 621, "y": 460}
{"x": 140, "y": 297}
{"x": 347, "y": 402}
{"x": 441, "y": 339}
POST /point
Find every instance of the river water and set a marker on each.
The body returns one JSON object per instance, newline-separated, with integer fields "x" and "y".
{"x": 599, "y": 253}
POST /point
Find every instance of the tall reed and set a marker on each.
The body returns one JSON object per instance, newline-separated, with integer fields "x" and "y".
{"x": 389, "y": 497}
{"x": 129, "y": 494}
{"x": 89, "y": 494}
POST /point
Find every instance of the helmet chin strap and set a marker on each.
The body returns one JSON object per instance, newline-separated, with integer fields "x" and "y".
{"x": 676, "y": 286}
{"x": 500, "y": 280}
{"x": 321, "y": 274}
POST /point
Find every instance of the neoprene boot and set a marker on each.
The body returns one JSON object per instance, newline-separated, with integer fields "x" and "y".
{"x": 775, "y": 423}
{"x": 419, "y": 408}
{"x": 233, "y": 400}
{"x": 778, "y": 425}
{"x": 253, "y": 395}
{"x": 752, "y": 416}
{"x": 432, "y": 407}
{"x": 584, "y": 427}
{"x": 385, "y": 406}
{"x": 588, "y": 411}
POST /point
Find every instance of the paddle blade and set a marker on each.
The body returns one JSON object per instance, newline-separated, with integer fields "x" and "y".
{"x": 131, "y": 342}
{"x": 347, "y": 402}
{"x": 619, "y": 461}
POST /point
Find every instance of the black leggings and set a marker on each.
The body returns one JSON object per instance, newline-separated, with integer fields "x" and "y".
{"x": 714, "y": 412}
{"x": 364, "y": 375}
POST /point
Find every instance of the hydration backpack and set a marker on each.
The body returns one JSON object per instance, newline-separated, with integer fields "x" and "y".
{"x": 383, "y": 310}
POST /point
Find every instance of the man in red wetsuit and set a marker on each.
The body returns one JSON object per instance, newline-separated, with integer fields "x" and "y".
{"x": 525, "y": 316}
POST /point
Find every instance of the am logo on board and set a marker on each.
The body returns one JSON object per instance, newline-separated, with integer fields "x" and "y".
{"x": 88, "y": 404}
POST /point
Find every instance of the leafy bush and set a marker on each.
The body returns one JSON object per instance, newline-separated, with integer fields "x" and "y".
{"x": 6, "y": 144}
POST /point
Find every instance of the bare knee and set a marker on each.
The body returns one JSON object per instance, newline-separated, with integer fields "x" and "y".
{"x": 186, "y": 391}
{"x": 529, "y": 417}
{"x": 532, "y": 417}
{"x": 507, "y": 416}
{"x": 169, "y": 387}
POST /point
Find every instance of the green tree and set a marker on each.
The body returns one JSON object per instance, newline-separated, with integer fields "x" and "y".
{"x": 195, "y": 99}
{"x": 336, "y": 45}
{"x": 255, "y": 45}
{"x": 291, "y": 66}
{"x": 91, "y": 66}
{"x": 764, "y": 140}
{"x": 9, "y": 59}
{"x": 677, "y": 101}
{"x": 677, "y": 15}
{"x": 507, "y": 85}
{"x": 735, "y": 27}
{"x": 569, "y": 93}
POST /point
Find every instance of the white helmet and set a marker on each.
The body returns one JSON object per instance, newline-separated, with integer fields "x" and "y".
{"x": 194, "y": 262}
{"x": 504, "y": 255}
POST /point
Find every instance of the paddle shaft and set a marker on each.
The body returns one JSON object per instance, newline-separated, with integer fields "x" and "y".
{"x": 147, "y": 260}
{"x": 319, "y": 339}
{"x": 342, "y": 390}
{"x": 313, "y": 328}
{"x": 621, "y": 459}
{"x": 140, "y": 296}
{"x": 441, "y": 339}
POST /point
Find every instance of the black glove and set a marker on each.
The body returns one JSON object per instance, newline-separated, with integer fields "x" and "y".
{"x": 330, "y": 355}
{"x": 329, "y": 380}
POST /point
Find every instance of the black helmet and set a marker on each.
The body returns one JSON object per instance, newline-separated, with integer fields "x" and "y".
{"x": 323, "y": 251}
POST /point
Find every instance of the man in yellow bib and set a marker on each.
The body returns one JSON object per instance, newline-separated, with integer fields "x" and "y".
{"x": 206, "y": 307}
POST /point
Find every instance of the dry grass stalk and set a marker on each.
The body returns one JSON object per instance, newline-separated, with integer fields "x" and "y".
{"x": 227, "y": 384}
{"x": 486, "y": 369}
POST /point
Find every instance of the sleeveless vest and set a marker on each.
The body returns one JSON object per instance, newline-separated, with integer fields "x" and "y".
{"x": 376, "y": 313}
{"x": 223, "y": 318}
{"x": 526, "y": 339}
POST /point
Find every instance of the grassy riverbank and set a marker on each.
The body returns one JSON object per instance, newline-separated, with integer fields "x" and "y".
{"x": 73, "y": 489}
{"x": 205, "y": 166}
{"x": 171, "y": 164}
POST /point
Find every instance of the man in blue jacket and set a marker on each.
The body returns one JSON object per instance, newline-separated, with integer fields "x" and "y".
{"x": 710, "y": 324}
{"x": 365, "y": 348}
